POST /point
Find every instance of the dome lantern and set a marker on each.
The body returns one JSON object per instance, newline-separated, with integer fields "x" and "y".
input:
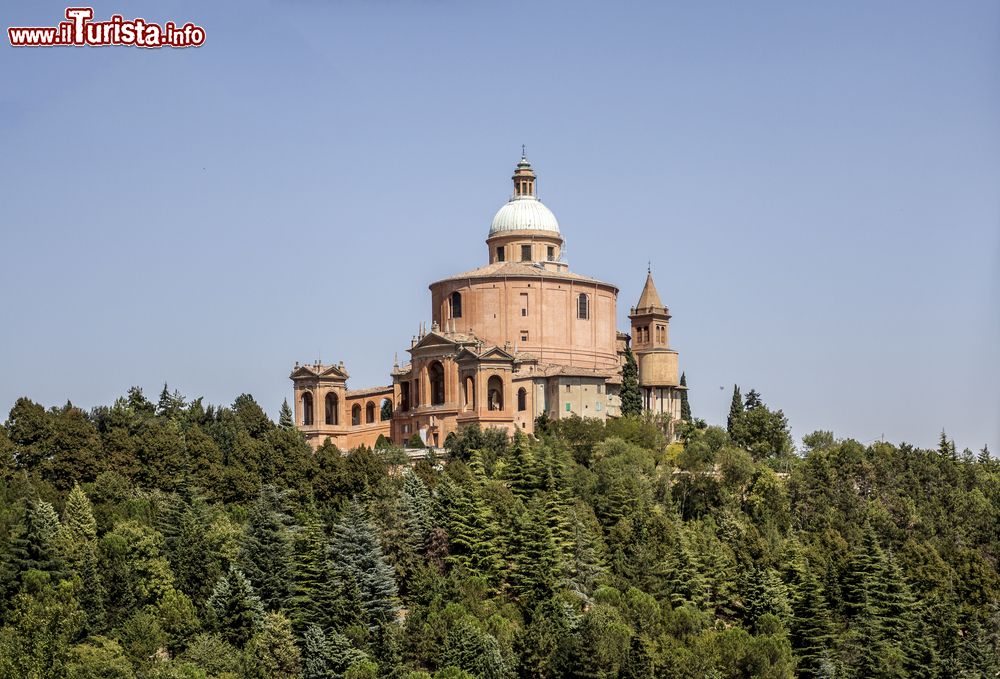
{"x": 524, "y": 212}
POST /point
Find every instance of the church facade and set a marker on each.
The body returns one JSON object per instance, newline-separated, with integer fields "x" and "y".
{"x": 508, "y": 342}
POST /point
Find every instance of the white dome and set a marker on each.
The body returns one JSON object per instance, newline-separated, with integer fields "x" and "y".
{"x": 524, "y": 213}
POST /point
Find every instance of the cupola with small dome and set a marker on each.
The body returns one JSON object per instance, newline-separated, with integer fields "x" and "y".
{"x": 524, "y": 229}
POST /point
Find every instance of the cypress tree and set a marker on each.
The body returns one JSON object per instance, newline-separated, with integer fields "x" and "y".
{"x": 735, "y": 409}
{"x": 266, "y": 550}
{"x": 285, "y": 418}
{"x": 685, "y": 406}
{"x": 235, "y": 608}
{"x": 357, "y": 552}
{"x": 630, "y": 397}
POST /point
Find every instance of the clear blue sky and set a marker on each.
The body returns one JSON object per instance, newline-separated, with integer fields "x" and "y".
{"x": 816, "y": 184}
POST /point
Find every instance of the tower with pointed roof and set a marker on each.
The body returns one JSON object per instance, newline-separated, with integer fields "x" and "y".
{"x": 658, "y": 372}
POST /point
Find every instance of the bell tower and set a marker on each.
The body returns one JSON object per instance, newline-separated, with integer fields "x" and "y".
{"x": 658, "y": 374}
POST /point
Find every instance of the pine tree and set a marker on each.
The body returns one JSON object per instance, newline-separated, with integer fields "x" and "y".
{"x": 683, "y": 575}
{"x": 318, "y": 597}
{"x": 357, "y": 552}
{"x": 285, "y": 418}
{"x": 195, "y": 550}
{"x": 902, "y": 621}
{"x": 415, "y": 511}
{"x": 170, "y": 405}
{"x": 317, "y": 662}
{"x": 868, "y": 653}
{"x": 471, "y": 535}
{"x": 235, "y": 608}
{"x": 520, "y": 470}
{"x": 735, "y": 409}
{"x": 272, "y": 653}
{"x": 471, "y": 649}
{"x": 534, "y": 568}
{"x": 327, "y": 656}
{"x": 764, "y": 594}
{"x": 587, "y": 561}
{"x": 639, "y": 662}
{"x": 685, "y": 406}
{"x": 631, "y": 399}
{"x": 266, "y": 549}
{"x": 342, "y": 654}
{"x": 810, "y": 629}
{"x": 33, "y": 553}
{"x": 79, "y": 547}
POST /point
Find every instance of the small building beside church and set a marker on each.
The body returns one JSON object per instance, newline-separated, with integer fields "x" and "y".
{"x": 517, "y": 338}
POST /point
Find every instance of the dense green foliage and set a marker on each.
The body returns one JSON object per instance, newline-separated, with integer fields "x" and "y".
{"x": 181, "y": 541}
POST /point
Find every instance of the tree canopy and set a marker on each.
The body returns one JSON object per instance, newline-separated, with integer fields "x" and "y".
{"x": 175, "y": 539}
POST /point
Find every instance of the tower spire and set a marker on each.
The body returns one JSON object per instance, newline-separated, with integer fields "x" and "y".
{"x": 650, "y": 298}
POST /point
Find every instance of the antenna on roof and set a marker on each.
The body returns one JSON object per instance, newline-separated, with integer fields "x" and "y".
{"x": 649, "y": 266}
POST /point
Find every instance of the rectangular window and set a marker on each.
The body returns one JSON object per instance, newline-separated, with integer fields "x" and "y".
{"x": 598, "y": 406}
{"x": 551, "y": 253}
{"x": 500, "y": 254}
{"x": 524, "y": 335}
{"x": 524, "y": 303}
{"x": 525, "y": 253}
{"x": 569, "y": 407}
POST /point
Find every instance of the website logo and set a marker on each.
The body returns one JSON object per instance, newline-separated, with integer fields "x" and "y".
{"x": 79, "y": 30}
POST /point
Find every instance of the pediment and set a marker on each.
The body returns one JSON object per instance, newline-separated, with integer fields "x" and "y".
{"x": 496, "y": 354}
{"x": 320, "y": 372}
{"x": 492, "y": 354}
{"x": 433, "y": 340}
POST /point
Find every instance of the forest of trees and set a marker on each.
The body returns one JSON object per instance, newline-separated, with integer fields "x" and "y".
{"x": 178, "y": 540}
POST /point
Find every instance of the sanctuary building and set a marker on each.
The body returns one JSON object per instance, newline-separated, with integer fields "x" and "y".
{"x": 519, "y": 337}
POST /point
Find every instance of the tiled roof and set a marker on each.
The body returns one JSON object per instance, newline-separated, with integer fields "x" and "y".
{"x": 370, "y": 391}
{"x": 519, "y": 270}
